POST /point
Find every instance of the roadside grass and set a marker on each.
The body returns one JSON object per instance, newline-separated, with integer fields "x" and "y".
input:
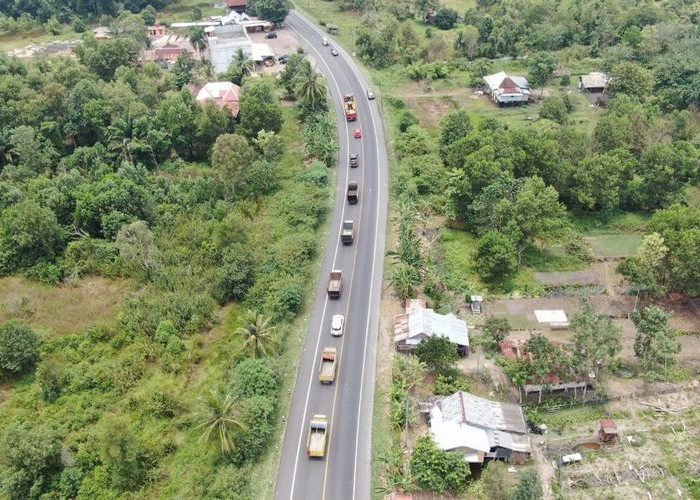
{"x": 182, "y": 11}
{"x": 615, "y": 245}
{"x": 551, "y": 258}
{"x": 63, "y": 309}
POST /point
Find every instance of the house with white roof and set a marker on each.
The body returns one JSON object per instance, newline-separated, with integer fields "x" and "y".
{"x": 507, "y": 89}
{"x": 419, "y": 323}
{"x": 480, "y": 428}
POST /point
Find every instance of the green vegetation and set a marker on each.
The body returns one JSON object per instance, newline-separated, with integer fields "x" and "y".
{"x": 169, "y": 248}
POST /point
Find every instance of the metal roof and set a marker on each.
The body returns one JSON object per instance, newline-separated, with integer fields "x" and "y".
{"x": 495, "y": 81}
{"x": 419, "y": 323}
{"x": 594, "y": 80}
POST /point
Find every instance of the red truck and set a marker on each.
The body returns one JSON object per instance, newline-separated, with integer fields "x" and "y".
{"x": 350, "y": 108}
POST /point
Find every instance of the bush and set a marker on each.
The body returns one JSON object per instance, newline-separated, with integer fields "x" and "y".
{"x": 51, "y": 378}
{"x": 259, "y": 418}
{"x": 316, "y": 174}
{"x": 438, "y": 353}
{"x": 445, "y": 18}
{"x": 437, "y": 470}
{"x": 254, "y": 377}
{"x": 43, "y": 272}
{"x": 92, "y": 256}
{"x": 448, "y": 384}
{"x": 19, "y": 347}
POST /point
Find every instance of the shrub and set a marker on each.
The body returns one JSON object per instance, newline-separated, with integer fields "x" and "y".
{"x": 19, "y": 347}
{"x": 448, "y": 384}
{"x": 437, "y": 470}
{"x": 259, "y": 418}
{"x": 406, "y": 120}
{"x": 51, "y": 378}
{"x": 438, "y": 353}
{"x": 46, "y": 273}
{"x": 316, "y": 174}
{"x": 254, "y": 377}
{"x": 445, "y": 18}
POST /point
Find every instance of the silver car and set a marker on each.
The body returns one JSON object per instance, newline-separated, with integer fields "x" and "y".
{"x": 370, "y": 94}
{"x": 337, "y": 325}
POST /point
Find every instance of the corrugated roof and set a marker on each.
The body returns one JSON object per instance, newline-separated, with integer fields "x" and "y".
{"x": 419, "y": 323}
{"x": 594, "y": 80}
{"x": 496, "y": 81}
{"x": 483, "y": 412}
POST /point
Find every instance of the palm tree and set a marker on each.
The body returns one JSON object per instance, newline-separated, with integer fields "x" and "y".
{"x": 220, "y": 415}
{"x": 198, "y": 39}
{"x": 311, "y": 90}
{"x": 241, "y": 62}
{"x": 258, "y": 333}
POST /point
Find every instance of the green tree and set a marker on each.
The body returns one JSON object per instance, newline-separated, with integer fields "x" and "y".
{"x": 597, "y": 182}
{"x": 455, "y": 125}
{"x": 409, "y": 371}
{"x": 541, "y": 66}
{"x": 528, "y": 487}
{"x": 497, "y": 481}
{"x": 274, "y": 11}
{"x": 51, "y": 378}
{"x": 497, "y": 328}
{"x": 231, "y": 157}
{"x": 647, "y": 270}
{"x": 257, "y": 333}
{"x": 496, "y": 257}
{"x": 137, "y": 247}
{"x": 240, "y": 67}
{"x": 438, "y": 353}
{"x": 445, "y": 18}
{"x": 53, "y": 26}
{"x": 596, "y": 341}
{"x": 554, "y": 108}
{"x": 28, "y": 234}
{"x": 121, "y": 452}
{"x": 547, "y": 359}
{"x": 629, "y": 78}
{"x": 404, "y": 278}
{"x": 19, "y": 348}
{"x": 220, "y": 418}
{"x": 259, "y": 107}
{"x": 254, "y": 377}
{"x": 467, "y": 41}
{"x": 105, "y": 57}
{"x": 29, "y": 458}
{"x": 183, "y": 69}
{"x": 655, "y": 345}
{"x": 438, "y": 470}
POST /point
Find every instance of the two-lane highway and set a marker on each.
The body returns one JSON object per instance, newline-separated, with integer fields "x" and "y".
{"x": 344, "y": 472}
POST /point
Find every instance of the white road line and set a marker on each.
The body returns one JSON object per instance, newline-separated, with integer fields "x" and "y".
{"x": 325, "y": 304}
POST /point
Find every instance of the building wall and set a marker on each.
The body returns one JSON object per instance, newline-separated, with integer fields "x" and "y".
{"x": 221, "y": 54}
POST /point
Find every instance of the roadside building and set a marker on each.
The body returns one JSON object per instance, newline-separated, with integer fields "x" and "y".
{"x": 507, "y": 89}
{"x": 102, "y": 33}
{"x": 157, "y": 30}
{"x": 225, "y": 42}
{"x": 238, "y": 6}
{"x": 223, "y": 94}
{"x": 419, "y": 323}
{"x": 480, "y": 428}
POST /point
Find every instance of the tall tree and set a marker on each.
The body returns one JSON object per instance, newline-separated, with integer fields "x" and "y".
{"x": 438, "y": 353}
{"x": 257, "y": 333}
{"x": 259, "y": 107}
{"x": 198, "y": 39}
{"x": 310, "y": 90}
{"x": 596, "y": 341}
{"x": 528, "y": 488}
{"x": 630, "y": 78}
{"x": 231, "y": 157}
{"x": 274, "y": 11}
{"x": 655, "y": 344}
{"x": 541, "y": 66}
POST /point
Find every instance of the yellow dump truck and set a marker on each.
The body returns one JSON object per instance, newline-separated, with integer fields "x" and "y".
{"x": 329, "y": 365}
{"x": 316, "y": 444}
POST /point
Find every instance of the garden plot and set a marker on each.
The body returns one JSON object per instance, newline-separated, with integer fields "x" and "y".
{"x": 521, "y": 312}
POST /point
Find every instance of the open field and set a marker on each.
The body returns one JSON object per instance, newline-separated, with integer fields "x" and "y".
{"x": 615, "y": 245}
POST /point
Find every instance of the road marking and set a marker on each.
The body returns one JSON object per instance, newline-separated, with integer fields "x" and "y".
{"x": 325, "y": 304}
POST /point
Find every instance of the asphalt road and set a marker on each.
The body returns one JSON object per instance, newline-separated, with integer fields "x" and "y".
{"x": 344, "y": 472}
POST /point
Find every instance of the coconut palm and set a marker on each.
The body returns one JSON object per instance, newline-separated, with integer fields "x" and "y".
{"x": 220, "y": 416}
{"x": 198, "y": 39}
{"x": 242, "y": 63}
{"x": 311, "y": 90}
{"x": 257, "y": 332}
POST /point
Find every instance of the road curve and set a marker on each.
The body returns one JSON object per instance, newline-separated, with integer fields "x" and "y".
{"x": 344, "y": 472}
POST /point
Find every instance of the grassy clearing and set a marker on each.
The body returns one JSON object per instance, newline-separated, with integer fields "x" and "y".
{"x": 10, "y": 41}
{"x": 61, "y": 310}
{"x": 596, "y": 224}
{"x": 551, "y": 259}
{"x": 615, "y": 245}
{"x": 182, "y": 10}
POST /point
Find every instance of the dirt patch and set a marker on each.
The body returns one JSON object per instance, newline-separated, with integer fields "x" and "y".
{"x": 586, "y": 277}
{"x": 521, "y": 312}
{"x": 64, "y": 309}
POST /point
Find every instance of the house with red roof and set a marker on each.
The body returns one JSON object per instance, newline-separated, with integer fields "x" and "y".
{"x": 223, "y": 94}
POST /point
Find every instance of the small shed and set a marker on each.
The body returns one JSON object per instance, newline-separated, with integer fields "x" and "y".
{"x": 608, "y": 430}
{"x": 477, "y": 304}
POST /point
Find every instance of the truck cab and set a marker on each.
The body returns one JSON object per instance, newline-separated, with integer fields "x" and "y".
{"x": 347, "y": 233}
{"x": 352, "y": 192}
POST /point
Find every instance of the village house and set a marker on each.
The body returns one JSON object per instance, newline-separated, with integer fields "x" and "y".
{"x": 237, "y": 5}
{"x": 223, "y": 94}
{"x": 167, "y": 48}
{"x": 419, "y": 323}
{"x": 594, "y": 83}
{"x": 480, "y": 428}
{"x": 552, "y": 382}
{"x": 225, "y": 42}
{"x": 102, "y": 33}
{"x": 156, "y": 30}
{"x": 507, "y": 89}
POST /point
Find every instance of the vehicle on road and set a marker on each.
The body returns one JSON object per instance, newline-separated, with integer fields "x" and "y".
{"x": 316, "y": 444}
{"x": 347, "y": 233}
{"x": 337, "y": 325}
{"x": 271, "y": 36}
{"x": 329, "y": 365}
{"x": 357, "y": 133}
{"x": 324, "y": 41}
{"x": 370, "y": 94}
{"x": 353, "y": 191}
{"x": 334, "y": 52}
{"x": 335, "y": 284}
{"x": 350, "y": 107}
{"x": 354, "y": 160}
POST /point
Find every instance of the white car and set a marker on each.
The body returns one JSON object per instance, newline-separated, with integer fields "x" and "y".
{"x": 337, "y": 325}
{"x": 324, "y": 41}
{"x": 370, "y": 94}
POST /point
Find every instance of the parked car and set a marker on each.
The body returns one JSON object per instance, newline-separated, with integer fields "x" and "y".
{"x": 283, "y": 59}
{"x": 370, "y": 94}
{"x": 353, "y": 160}
{"x": 333, "y": 51}
{"x": 357, "y": 133}
{"x": 337, "y": 325}
{"x": 271, "y": 36}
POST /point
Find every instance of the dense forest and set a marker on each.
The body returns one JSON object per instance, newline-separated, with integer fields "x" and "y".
{"x": 110, "y": 168}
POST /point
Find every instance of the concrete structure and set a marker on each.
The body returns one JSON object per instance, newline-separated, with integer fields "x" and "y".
{"x": 102, "y": 33}
{"x": 507, "y": 89}
{"x": 237, "y": 5}
{"x": 168, "y": 48}
{"x": 480, "y": 428}
{"x": 156, "y": 30}
{"x": 225, "y": 42}
{"x": 223, "y": 94}
{"x": 418, "y": 324}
